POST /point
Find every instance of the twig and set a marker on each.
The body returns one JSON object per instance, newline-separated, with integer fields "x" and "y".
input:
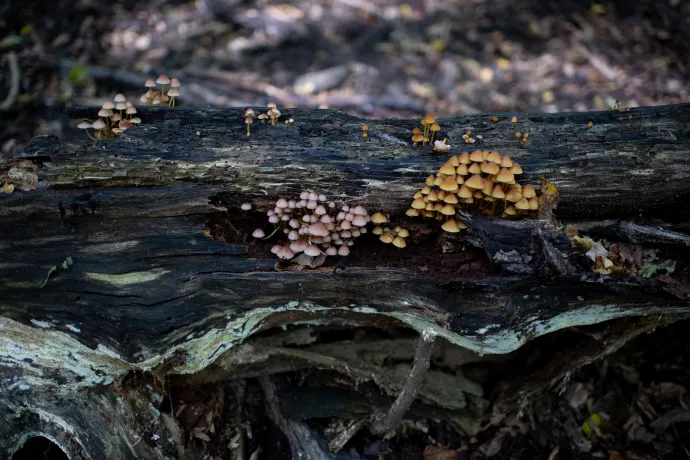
{"x": 383, "y": 423}
{"x": 14, "y": 82}
{"x": 339, "y": 441}
{"x": 303, "y": 444}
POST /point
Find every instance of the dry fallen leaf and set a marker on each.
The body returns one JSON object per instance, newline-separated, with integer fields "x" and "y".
{"x": 7, "y": 188}
{"x": 439, "y": 453}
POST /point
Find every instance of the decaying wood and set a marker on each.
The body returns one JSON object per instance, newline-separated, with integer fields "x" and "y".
{"x": 148, "y": 292}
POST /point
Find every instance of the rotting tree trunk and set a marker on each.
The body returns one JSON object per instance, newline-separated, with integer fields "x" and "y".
{"x": 148, "y": 291}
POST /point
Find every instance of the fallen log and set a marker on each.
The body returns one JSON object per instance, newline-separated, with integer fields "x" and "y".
{"x": 129, "y": 273}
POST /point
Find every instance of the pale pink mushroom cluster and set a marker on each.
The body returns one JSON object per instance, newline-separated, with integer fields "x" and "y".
{"x": 313, "y": 225}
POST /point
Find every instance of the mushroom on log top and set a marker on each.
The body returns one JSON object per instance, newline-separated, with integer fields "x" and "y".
{"x": 165, "y": 280}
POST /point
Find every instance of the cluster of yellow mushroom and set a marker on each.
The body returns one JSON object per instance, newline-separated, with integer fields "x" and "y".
{"x": 116, "y": 117}
{"x": 431, "y": 127}
{"x": 155, "y": 97}
{"x": 480, "y": 181}
{"x": 395, "y": 236}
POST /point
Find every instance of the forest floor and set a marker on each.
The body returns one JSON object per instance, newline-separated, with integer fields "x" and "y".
{"x": 381, "y": 59}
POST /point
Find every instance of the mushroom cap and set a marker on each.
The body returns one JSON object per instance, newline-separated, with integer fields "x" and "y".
{"x": 429, "y": 119}
{"x": 105, "y": 113}
{"x": 343, "y": 251}
{"x": 119, "y": 97}
{"x": 163, "y": 79}
{"x": 418, "y": 204}
{"x": 245, "y": 206}
{"x": 108, "y": 105}
{"x": 417, "y": 138}
{"x": 359, "y": 210}
{"x": 174, "y": 82}
{"x": 98, "y": 124}
{"x": 125, "y": 124}
{"x": 510, "y": 210}
{"x": 285, "y": 253}
{"x": 464, "y": 158}
{"x": 312, "y": 250}
{"x": 85, "y": 124}
{"x": 435, "y": 127}
{"x": 318, "y": 229}
{"x": 497, "y": 192}
{"x": 276, "y": 248}
{"x": 528, "y": 191}
{"x": 490, "y": 167}
{"x": 451, "y": 198}
{"x": 135, "y": 120}
{"x": 365, "y": 127}
{"x": 506, "y": 162}
{"x": 386, "y": 237}
{"x": 477, "y": 156}
{"x": 359, "y": 221}
{"x": 447, "y": 169}
{"x": 399, "y": 242}
{"x": 450, "y": 226}
{"x": 474, "y": 168}
{"x": 150, "y": 83}
{"x": 258, "y": 233}
{"x": 377, "y": 230}
{"x": 416, "y": 130}
{"x": 516, "y": 169}
{"x": 271, "y": 105}
{"x": 449, "y": 184}
{"x": 462, "y": 170}
{"x": 494, "y": 157}
{"x": 131, "y": 110}
{"x": 522, "y": 204}
{"x": 533, "y": 204}
{"x": 281, "y": 203}
{"x": 441, "y": 146}
{"x": 411, "y": 212}
{"x": 121, "y": 106}
{"x": 505, "y": 176}
{"x": 173, "y": 92}
{"x": 465, "y": 192}
{"x": 379, "y": 218}
{"x": 475, "y": 182}
{"x": 298, "y": 245}
{"x": 332, "y": 251}
{"x": 448, "y": 210}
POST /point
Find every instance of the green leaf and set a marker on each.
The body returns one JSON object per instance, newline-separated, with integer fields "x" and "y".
{"x": 79, "y": 75}
{"x": 651, "y": 269}
{"x": 10, "y": 40}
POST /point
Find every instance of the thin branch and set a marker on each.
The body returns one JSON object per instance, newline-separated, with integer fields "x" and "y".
{"x": 14, "y": 82}
{"x": 383, "y": 423}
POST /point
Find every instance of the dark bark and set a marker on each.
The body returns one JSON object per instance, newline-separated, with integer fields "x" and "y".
{"x": 147, "y": 291}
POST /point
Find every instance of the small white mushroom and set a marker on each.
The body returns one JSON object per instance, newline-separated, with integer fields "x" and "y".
{"x": 359, "y": 221}
{"x": 312, "y": 250}
{"x": 344, "y": 251}
{"x": 258, "y": 233}
{"x": 246, "y": 206}
{"x": 318, "y": 229}
{"x": 332, "y": 250}
{"x": 298, "y": 246}
{"x": 281, "y": 203}
{"x": 274, "y": 219}
{"x": 276, "y": 248}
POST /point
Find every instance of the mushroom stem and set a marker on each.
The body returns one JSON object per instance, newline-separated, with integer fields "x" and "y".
{"x": 431, "y": 140}
{"x": 274, "y": 232}
{"x": 89, "y": 134}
